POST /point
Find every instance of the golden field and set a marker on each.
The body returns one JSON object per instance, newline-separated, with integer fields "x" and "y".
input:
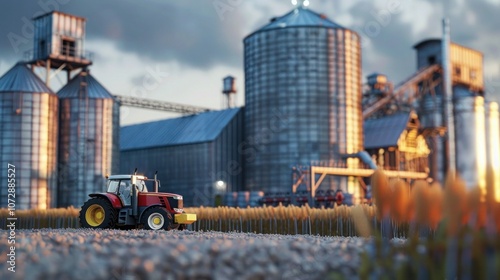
{"x": 278, "y": 220}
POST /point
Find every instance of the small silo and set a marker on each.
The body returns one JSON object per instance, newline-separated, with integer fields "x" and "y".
{"x": 302, "y": 98}
{"x": 28, "y": 138}
{"x": 88, "y": 142}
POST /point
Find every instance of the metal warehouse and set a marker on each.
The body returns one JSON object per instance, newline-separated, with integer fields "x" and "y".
{"x": 194, "y": 155}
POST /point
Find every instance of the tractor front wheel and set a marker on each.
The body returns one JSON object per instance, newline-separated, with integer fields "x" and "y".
{"x": 157, "y": 218}
{"x": 98, "y": 212}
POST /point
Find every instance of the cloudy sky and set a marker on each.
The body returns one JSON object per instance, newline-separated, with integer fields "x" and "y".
{"x": 181, "y": 50}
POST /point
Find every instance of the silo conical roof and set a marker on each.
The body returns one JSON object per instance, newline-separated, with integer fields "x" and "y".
{"x": 21, "y": 79}
{"x": 95, "y": 89}
{"x": 300, "y": 17}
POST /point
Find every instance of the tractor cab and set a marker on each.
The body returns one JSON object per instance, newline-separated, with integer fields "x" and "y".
{"x": 121, "y": 185}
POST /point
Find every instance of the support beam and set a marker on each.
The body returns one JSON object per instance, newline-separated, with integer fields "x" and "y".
{"x": 315, "y": 184}
{"x": 297, "y": 184}
{"x": 367, "y": 172}
{"x": 47, "y": 74}
{"x": 58, "y": 70}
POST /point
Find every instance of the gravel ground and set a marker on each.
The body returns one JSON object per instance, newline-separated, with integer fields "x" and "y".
{"x": 139, "y": 254}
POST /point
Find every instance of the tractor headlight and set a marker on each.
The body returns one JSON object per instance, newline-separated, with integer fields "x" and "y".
{"x": 177, "y": 210}
{"x": 178, "y": 197}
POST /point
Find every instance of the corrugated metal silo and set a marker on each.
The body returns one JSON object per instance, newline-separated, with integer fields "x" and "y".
{"x": 302, "y": 96}
{"x": 470, "y": 137}
{"x": 88, "y": 144}
{"x": 28, "y": 138}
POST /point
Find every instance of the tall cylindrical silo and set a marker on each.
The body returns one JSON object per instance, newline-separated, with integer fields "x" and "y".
{"x": 28, "y": 139}
{"x": 471, "y": 160}
{"x": 302, "y": 98}
{"x": 493, "y": 141}
{"x": 89, "y": 126}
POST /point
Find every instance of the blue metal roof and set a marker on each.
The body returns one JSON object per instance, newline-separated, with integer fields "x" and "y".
{"x": 300, "y": 16}
{"x": 385, "y": 132}
{"x": 21, "y": 79}
{"x": 192, "y": 129}
{"x": 95, "y": 89}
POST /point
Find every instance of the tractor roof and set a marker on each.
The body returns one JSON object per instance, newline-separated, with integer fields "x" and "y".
{"x": 121, "y": 177}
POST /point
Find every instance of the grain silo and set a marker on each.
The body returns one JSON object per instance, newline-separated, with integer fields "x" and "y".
{"x": 469, "y": 114}
{"x": 302, "y": 98}
{"x": 28, "y": 138}
{"x": 88, "y": 141}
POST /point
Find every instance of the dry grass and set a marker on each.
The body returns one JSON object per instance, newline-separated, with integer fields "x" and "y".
{"x": 336, "y": 221}
{"x": 35, "y": 219}
{"x": 422, "y": 205}
{"x": 461, "y": 229}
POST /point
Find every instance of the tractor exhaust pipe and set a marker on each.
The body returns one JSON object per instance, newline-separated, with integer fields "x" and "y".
{"x": 134, "y": 195}
{"x": 156, "y": 181}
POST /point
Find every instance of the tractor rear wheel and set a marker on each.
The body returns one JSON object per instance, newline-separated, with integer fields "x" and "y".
{"x": 98, "y": 212}
{"x": 156, "y": 218}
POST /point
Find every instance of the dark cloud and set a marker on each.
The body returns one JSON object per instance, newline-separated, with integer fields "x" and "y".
{"x": 189, "y": 31}
{"x": 469, "y": 21}
{"x": 387, "y": 40}
{"x": 388, "y": 49}
{"x": 193, "y": 33}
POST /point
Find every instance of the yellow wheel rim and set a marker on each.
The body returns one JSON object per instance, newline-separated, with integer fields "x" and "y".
{"x": 94, "y": 215}
{"x": 157, "y": 221}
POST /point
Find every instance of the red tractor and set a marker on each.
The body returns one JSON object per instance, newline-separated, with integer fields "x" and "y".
{"x": 128, "y": 204}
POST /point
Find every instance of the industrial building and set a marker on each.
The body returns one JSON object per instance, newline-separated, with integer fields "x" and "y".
{"x": 309, "y": 123}
{"x": 195, "y": 156}
{"x": 424, "y": 92}
{"x": 394, "y": 142}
